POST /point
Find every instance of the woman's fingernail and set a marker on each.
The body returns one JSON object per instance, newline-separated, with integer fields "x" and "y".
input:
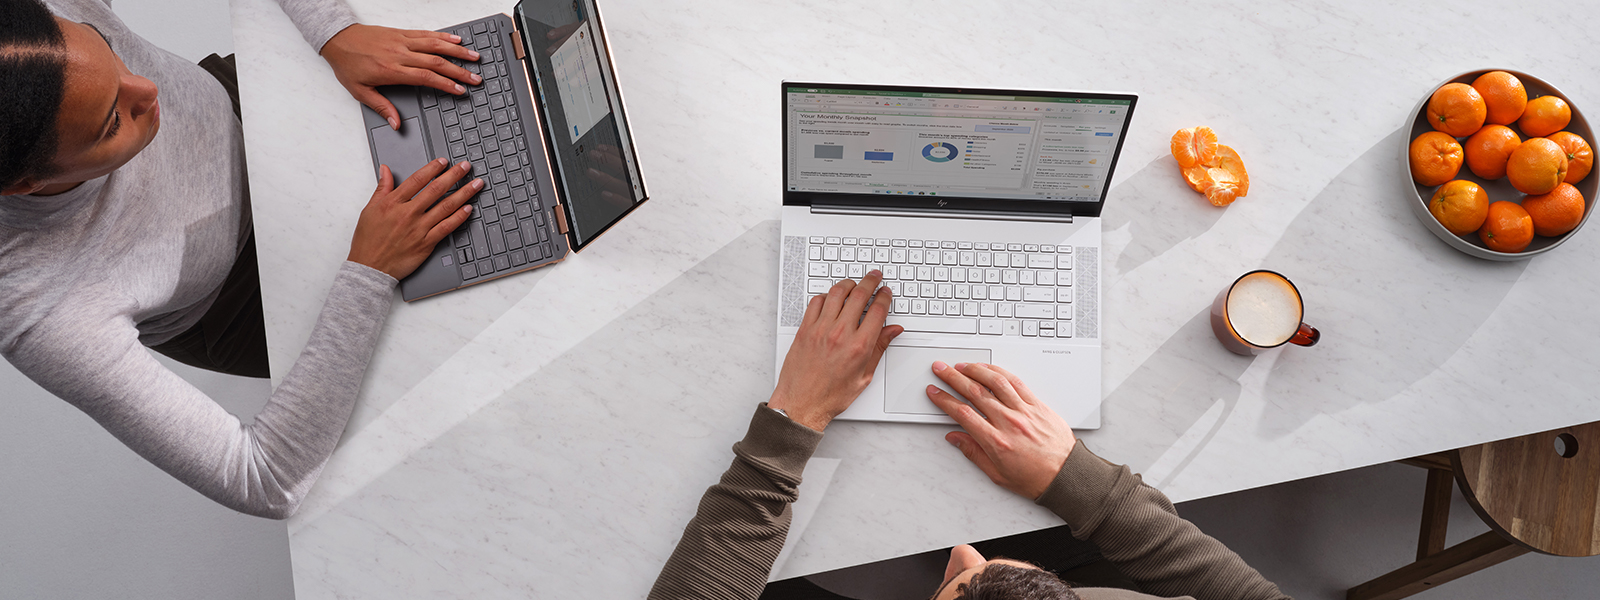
{"x": 473, "y": 54}
{"x": 931, "y": 389}
{"x": 939, "y": 365}
{"x": 467, "y": 207}
{"x": 477, "y": 184}
{"x": 954, "y": 443}
{"x": 455, "y": 38}
{"x": 394, "y": 123}
{"x": 960, "y": 366}
{"x": 460, "y": 90}
{"x": 476, "y": 78}
{"x": 465, "y": 164}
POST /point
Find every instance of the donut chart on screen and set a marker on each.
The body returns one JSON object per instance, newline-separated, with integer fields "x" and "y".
{"x": 940, "y": 152}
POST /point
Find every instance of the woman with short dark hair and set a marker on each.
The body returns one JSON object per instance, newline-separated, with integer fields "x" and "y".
{"x": 125, "y": 224}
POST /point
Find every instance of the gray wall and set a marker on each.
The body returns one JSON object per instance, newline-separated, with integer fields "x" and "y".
{"x": 81, "y": 516}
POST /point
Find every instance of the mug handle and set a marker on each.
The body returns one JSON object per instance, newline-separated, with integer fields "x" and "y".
{"x": 1306, "y": 336}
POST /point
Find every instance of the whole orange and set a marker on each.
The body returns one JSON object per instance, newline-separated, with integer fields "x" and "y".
{"x": 1544, "y": 115}
{"x": 1489, "y": 149}
{"x": 1503, "y": 94}
{"x": 1579, "y": 157}
{"x": 1458, "y": 110}
{"x": 1537, "y": 166}
{"x": 1508, "y": 228}
{"x": 1460, "y": 206}
{"x": 1435, "y": 158}
{"x": 1557, "y": 212}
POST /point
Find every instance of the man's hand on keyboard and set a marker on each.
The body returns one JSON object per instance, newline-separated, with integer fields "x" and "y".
{"x": 1017, "y": 440}
{"x": 835, "y": 351}
{"x": 365, "y": 56}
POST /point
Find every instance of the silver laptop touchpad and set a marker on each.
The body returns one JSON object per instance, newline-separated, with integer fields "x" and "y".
{"x": 908, "y": 370}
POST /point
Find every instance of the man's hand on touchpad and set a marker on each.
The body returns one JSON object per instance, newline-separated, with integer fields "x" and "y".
{"x": 908, "y": 374}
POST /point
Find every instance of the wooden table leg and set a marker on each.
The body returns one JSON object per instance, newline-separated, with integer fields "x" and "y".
{"x": 1454, "y": 562}
{"x": 1435, "y": 513}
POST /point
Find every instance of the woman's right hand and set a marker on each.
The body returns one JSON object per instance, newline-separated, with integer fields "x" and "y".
{"x": 400, "y": 226}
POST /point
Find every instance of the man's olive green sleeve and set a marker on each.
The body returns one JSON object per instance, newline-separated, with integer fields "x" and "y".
{"x": 1137, "y": 529}
{"x": 728, "y": 549}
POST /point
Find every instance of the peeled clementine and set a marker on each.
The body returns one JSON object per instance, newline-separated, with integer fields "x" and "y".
{"x": 1557, "y": 212}
{"x": 1579, "y": 156}
{"x": 1544, "y": 115}
{"x": 1457, "y": 109}
{"x": 1435, "y": 158}
{"x": 1503, "y": 95}
{"x": 1536, "y": 166}
{"x": 1489, "y": 149}
{"x": 1507, "y": 229}
{"x": 1210, "y": 168}
{"x": 1194, "y": 146}
{"x": 1460, "y": 206}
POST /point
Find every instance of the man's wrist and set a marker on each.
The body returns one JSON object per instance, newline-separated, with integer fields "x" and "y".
{"x": 799, "y": 414}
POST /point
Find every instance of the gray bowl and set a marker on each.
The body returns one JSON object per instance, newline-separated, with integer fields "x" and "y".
{"x": 1499, "y": 189}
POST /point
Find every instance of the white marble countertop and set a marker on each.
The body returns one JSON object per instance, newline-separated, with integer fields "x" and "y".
{"x": 553, "y": 431}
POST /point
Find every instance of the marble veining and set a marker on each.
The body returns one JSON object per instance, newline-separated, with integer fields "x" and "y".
{"x": 544, "y": 433}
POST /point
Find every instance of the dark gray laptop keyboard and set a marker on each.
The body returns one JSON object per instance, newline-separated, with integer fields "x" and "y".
{"x": 511, "y": 227}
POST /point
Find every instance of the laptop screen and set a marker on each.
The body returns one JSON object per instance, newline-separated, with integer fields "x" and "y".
{"x": 978, "y": 149}
{"x": 582, "y": 110}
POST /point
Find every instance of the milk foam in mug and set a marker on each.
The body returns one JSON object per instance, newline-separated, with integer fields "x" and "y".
{"x": 1260, "y": 311}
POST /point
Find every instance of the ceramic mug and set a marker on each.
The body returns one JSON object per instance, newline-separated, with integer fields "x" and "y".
{"x": 1261, "y": 310}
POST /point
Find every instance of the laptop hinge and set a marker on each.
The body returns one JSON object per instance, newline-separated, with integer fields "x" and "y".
{"x": 516, "y": 42}
{"x": 561, "y": 218}
{"x": 941, "y": 214}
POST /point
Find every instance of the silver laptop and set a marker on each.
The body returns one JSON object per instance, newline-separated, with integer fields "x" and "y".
{"x": 981, "y": 208}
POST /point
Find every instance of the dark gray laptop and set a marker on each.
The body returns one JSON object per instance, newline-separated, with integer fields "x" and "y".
{"x": 556, "y": 156}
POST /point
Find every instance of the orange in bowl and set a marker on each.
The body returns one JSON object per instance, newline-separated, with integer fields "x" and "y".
{"x": 1545, "y": 115}
{"x": 1489, "y": 149}
{"x": 1507, "y": 229}
{"x": 1557, "y": 212}
{"x": 1579, "y": 156}
{"x": 1503, "y": 95}
{"x": 1537, "y": 166}
{"x": 1458, "y": 110}
{"x": 1460, "y": 206}
{"x": 1435, "y": 158}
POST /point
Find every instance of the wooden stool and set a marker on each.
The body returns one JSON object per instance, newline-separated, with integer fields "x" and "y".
{"x": 1538, "y": 493}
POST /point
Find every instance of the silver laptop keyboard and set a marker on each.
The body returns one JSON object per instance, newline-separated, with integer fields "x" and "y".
{"x": 960, "y": 287}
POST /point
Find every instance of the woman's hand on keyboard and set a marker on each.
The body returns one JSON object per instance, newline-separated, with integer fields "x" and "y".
{"x": 366, "y": 56}
{"x": 835, "y": 351}
{"x": 1017, "y": 440}
{"x": 398, "y": 229}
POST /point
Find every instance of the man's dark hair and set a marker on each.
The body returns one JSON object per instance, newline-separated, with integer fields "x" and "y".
{"x": 33, "y": 74}
{"x": 1006, "y": 582}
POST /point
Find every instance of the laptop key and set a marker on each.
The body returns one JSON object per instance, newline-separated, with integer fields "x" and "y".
{"x": 518, "y": 258}
{"x": 497, "y": 240}
{"x": 502, "y": 263}
{"x": 491, "y": 216}
{"x": 479, "y": 27}
{"x": 480, "y": 244}
{"x": 548, "y": 251}
{"x": 513, "y": 239}
{"x": 428, "y": 99}
{"x": 468, "y": 271}
{"x": 933, "y": 325}
{"x": 485, "y": 267}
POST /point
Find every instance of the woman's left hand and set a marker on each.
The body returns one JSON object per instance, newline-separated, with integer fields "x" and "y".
{"x": 366, "y": 56}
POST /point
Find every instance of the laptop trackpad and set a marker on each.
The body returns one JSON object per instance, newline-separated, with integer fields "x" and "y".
{"x": 404, "y": 151}
{"x": 909, "y": 371}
